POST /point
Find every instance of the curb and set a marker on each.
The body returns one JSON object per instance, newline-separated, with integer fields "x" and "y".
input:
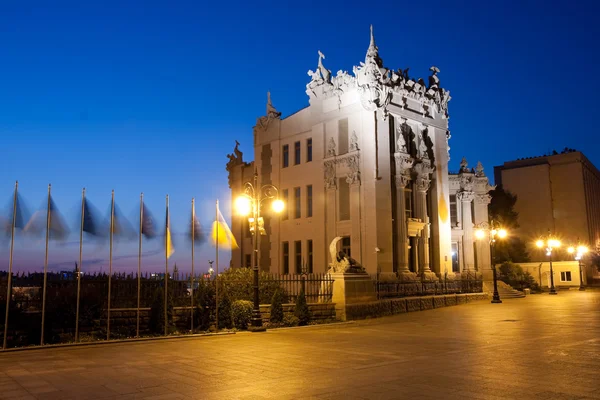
{"x": 331, "y": 325}
{"x": 114, "y": 341}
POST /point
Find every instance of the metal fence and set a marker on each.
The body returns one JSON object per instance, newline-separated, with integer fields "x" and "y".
{"x": 386, "y": 289}
{"x": 318, "y": 288}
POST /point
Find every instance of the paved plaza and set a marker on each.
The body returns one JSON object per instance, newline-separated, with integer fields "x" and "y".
{"x": 540, "y": 347}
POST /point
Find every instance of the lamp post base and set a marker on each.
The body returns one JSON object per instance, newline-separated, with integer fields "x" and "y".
{"x": 496, "y": 299}
{"x": 553, "y": 291}
{"x": 581, "y": 289}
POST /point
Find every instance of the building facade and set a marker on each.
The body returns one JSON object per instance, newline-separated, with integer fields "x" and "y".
{"x": 367, "y": 161}
{"x": 558, "y": 193}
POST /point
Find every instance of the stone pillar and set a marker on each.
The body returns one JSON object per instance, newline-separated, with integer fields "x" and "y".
{"x": 466, "y": 197}
{"x": 330, "y": 202}
{"x": 353, "y": 179}
{"x": 422, "y": 185}
{"x": 483, "y": 247}
{"x": 403, "y": 164}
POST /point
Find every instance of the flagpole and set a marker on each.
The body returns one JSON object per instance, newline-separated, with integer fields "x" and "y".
{"x": 10, "y": 265}
{"x": 78, "y": 269}
{"x": 217, "y": 262}
{"x": 166, "y": 263}
{"x": 139, "y": 275}
{"x": 192, "y": 279}
{"x": 48, "y": 216}
{"x": 112, "y": 229}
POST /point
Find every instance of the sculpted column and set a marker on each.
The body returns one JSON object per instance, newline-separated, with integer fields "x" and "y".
{"x": 330, "y": 201}
{"x": 466, "y": 198}
{"x": 422, "y": 184}
{"x": 353, "y": 179}
{"x": 403, "y": 164}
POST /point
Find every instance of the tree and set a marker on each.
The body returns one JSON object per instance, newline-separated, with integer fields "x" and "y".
{"x": 502, "y": 212}
{"x": 276, "y": 316}
{"x": 302, "y": 312}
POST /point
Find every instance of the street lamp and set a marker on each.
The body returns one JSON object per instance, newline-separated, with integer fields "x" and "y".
{"x": 248, "y": 204}
{"x": 210, "y": 269}
{"x": 550, "y": 243}
{"x": 579, "y": 252}
{"x": 493, "y": 232}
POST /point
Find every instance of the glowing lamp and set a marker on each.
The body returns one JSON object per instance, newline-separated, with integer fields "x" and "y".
{"x": 278, "y": 206}
{"x": 539, "y": 243}
{"x": 582, "y": 249}
{"x": 502, "y": 233}
{"x": 479, "y": 234}
{"x": 243, "y": 205}
{"x": 554, "y": 243}
{"x": 571, "y": 250}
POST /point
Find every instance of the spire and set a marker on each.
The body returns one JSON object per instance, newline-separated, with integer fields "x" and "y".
{"x": 373, "y": 52}
{"x": 271, "y": 111}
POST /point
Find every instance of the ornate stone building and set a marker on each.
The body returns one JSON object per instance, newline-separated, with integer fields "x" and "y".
{"x": 367, "y": 160}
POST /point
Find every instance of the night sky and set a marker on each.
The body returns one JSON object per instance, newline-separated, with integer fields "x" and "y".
{"x": 151, "y": 96}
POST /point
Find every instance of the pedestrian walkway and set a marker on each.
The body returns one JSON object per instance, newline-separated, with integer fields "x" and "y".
{"x": 540, "y": 347}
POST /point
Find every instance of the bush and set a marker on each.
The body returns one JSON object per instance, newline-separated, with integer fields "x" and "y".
{"x": 205, "y": 304}
{"x": 156, "y": 324}
{"x": 276, "y": 307}
{"x": 224, "y": 312}
{"x": 513, "y": 275}
{"x": 241, "y": 313}
{"x": 290, "y": 320}
{"x": 302, "y": 312}
{"x": 238, "y": 284}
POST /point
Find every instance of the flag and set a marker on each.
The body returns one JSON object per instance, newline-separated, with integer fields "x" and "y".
{"x": 221, "y": 234}
{"x": 37, "y": 222}
{"x": 148, "y": 228}
{"x": 168, "y": 242}
{"x": 199, "y": 236}
{"x": 121, "y": 226}
{"x": 20, "y": 217}
{"x": 90, "y": 222}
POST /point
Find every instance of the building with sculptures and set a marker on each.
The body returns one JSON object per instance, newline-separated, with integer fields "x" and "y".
{"x": 366, "y": 161}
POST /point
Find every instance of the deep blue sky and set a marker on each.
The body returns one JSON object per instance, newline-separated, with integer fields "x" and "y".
{"x": 150, "y": 96}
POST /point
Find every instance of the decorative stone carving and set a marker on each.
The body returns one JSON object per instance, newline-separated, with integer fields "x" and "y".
{"x": 353, "y": 142}
{"x": 402, "y": 181}
{"x": 479, "y": 170}
{"x": 401, "y": 142}
{"x": 422, "y": 181}
{"x": 353, "y": 164}
{"x": 262, "y": 123}
{"x": 340, "y": 262}
{"x": 448, "y": 137}
{"x": 370, "y": 76}
{"x": 236, "y": 158}
{"x": 320, "y": 77}
{"x": 331, "y": 147}
{"x": 464, "y": 165}
{"x": 329, "y": 167}
{"x": 467, "y": 182}
{"x": 465, "y": 196}
{"x": 423, "y": 151}
{"x": 483, "y": 198}
{"x": 404, "y": 163}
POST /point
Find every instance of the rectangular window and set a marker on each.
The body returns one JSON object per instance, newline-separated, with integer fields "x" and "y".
{"x": 286, "y": 155}
{"x": 298, "y": 256}
{"x": 344, "y": 199}
{"x": 286, "y": 257}
{"x": 296, "y": 153}
{"x": 455, "y": 265}
{"x": 453, "y": 211}
{"x": 309, "y": 201}
{"x": 408, "y": 203}
{"x": 346, "y": 248}
{"x": 309, "y": 150}
{"x": 248, "y": 262}
{"x": 309, "y": 245}
{"x": 286, "y": 213}
{"x": 343, "y": 136}
{"x": 297, "y": 203}
{"x": 565, "y": 276}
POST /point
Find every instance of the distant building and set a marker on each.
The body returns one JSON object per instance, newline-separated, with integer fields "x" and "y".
{"x": 366, "y": 161}
{"x": 557, "y": 192}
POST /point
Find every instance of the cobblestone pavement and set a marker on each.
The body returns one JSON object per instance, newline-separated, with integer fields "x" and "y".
{"x": 545, "y": 347}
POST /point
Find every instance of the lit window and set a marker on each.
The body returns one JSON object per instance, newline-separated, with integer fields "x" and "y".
{"x": 565, "y": 276}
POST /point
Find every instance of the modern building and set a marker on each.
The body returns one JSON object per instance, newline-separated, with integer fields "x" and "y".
{"x": 366, "y": 161}
{"x": 559, "y": 193}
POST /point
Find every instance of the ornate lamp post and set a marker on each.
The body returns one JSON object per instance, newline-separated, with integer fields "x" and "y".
{"x": 579, "y": 252}
{"x": 210, "y": 269}
{"x": 249, "y": 205}
{"x": 550, "y": 243}
{"x": 492, "y": 232}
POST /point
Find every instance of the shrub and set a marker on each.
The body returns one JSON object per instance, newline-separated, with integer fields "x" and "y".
{"x": 156, "y": 324}
{"x": 224, "y": 312}
{"x": 241, "y": 313}
{"x": 205, "y": 304}
{"x": 513, "y": 275}
{"x": 302, "y": 312}
{"x": 290, "y": 320}
{"x": 238, "y": 284}
{"x": 276, "y": 307}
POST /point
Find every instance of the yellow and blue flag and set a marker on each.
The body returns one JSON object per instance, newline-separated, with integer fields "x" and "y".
{"x": 221, "y": 234}
{"x": 169, "y": 249}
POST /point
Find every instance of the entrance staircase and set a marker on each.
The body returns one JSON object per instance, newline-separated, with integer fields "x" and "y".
{"x": 505, "y": 291}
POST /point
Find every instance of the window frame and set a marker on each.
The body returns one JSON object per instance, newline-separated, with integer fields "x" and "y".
{"x": 298, "y": 256}
{"x": 309, "y": 149}
{"x": 285, "y": 156}
{"x": 297, "y": 202}
{"x": 297, "y": 153}
{"x": 285, "y": 256}
{"x": 309, "y": 201}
